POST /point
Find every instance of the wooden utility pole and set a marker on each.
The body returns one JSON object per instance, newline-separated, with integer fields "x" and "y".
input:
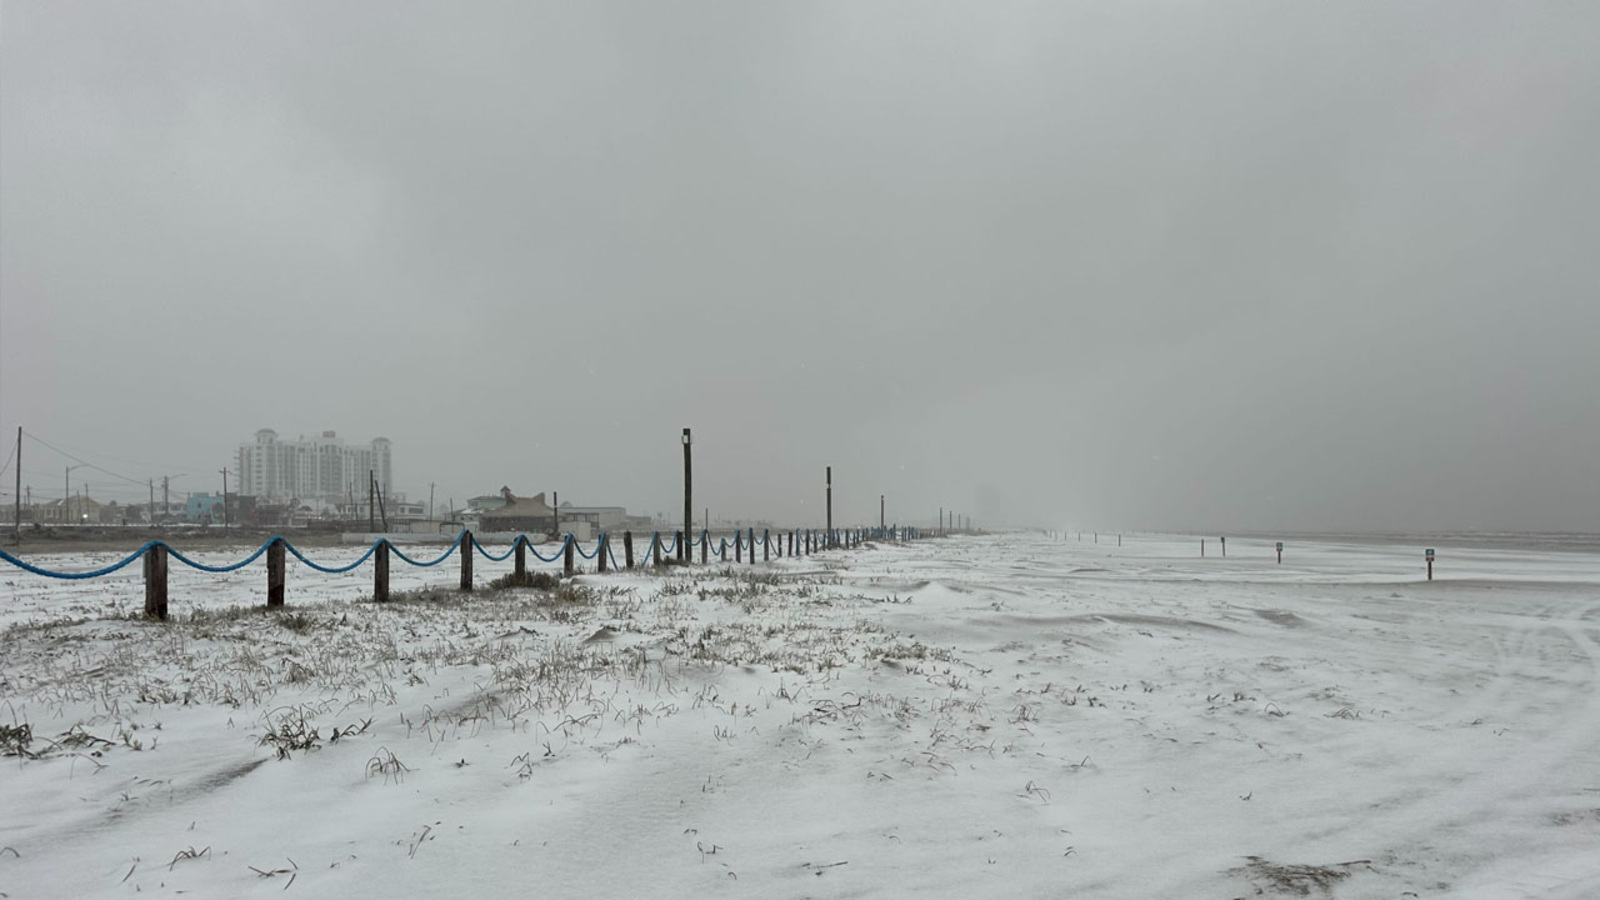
{"x": 880, "y": 515}
{"x": 688, "y": 498}
{"x": 830, "y": 506}
{"x": 372, "y": 504}
{"x": 224, "y": 500}
{"x": 430, "y": 502}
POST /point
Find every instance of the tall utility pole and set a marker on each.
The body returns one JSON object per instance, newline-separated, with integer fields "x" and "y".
{"x": 372, "y": 506}
{"x": 151, "y": 511}
{"x": 224, "y": 499}
{"x": 688, "y": 494}
{"x": 430, "y": 501}
{"x": 166, "y": 502}
{"x": 830, "y": 506}
{"x": 880, "y": 512}
{"x": 17, "y": 530}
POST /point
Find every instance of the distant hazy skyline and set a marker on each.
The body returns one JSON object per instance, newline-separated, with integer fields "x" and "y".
{"x": 1218, "y": 266}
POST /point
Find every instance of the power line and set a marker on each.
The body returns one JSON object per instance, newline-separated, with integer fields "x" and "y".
{"x": 104, "y": 455}
{"x": 82, "y": 462}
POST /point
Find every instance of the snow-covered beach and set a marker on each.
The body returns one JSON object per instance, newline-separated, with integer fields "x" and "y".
{"x": 1003, "y": 715}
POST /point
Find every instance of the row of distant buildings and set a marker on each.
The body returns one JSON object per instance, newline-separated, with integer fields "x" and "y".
{"x": 82, "y": 509}
{"x": 321, "y": 480}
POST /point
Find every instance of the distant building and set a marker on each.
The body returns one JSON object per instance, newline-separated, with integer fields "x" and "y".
{"x": 603, "y": 518}
{"x": 76, "y": 509}
{"x": 321, "y": 468}
{"x": 531, "y": 515}
{"x": 203, "y": 508}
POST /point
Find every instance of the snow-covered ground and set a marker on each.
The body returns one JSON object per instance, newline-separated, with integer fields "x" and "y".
{"x": 978, "y": 716}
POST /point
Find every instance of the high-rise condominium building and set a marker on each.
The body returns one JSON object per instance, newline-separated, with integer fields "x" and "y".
{"x": 322, "y": 467}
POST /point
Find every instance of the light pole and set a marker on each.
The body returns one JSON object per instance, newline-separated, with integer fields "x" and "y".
{"x": 66, "y": 501}
{"x": 688, "y": 495}
{"x": 829, "y": 539}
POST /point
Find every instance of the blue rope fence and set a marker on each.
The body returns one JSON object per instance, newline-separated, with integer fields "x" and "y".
{"x": 800, "y": 542}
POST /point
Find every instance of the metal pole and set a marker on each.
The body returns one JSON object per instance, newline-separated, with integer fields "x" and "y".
{"x": 18, "y": 524}
{"x": 830, "y": 506}
{"x": 688, "y": 496}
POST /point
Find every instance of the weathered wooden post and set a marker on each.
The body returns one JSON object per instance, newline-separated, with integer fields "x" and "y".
{"x": 1224, "y": 548}
{"x": 683, "y": 547}
{"x": 600, "y": 551}
{"x": 655, "y": 548}
{"x": 752, "y": 545}
{"x": 738, "y": 546}
{"x": 466, "y": 561}
{"x": 380, "y": 573}
{"x": 155, "y": 582}
{"x": 569, "y": 563}
{"x": 275, "y": 570}
{"x": 705, "y": 546}
{"x": 627, "y": 549}
{"x": 766, "y": 546}
{"x": 791, "y": 543}
{"x": 521, "y": 569}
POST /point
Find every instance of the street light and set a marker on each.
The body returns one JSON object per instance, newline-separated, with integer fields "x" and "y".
{"x": 688, "y": 498}
{"x": 66, "y": 501}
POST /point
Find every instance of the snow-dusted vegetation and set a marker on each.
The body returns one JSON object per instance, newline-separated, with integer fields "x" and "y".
{"x": 979, "y": 716}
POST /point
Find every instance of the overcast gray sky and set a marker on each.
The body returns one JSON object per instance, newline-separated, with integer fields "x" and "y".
{"x": 1119, "y": 265}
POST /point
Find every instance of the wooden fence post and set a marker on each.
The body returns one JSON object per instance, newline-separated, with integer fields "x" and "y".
{"x": 155, "y": 582}
{"x": 521, "y": 569}
{"x": 569, "y": 564}
{"x": 766, "y": 547}
{"x": 705, "y": 546}
{"x": 275, "y": 569}
{"x": 466, "y": 561}
{"x": 655, "y": 548}
{"x": 600, "y": 551}
{"x": 738, "y": 546}
{"x": 683, "y": 547}
{"x": 627, "y": 548}
{"x": 380, "y": 573}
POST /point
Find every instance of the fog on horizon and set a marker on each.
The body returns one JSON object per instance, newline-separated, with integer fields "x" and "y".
{"x": 1245, "y": 266}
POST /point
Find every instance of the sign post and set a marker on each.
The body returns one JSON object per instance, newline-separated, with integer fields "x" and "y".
{"x": 1430, "y": 563}
{"x": 1280, "y": 553}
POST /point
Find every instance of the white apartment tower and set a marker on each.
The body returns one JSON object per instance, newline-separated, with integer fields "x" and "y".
{"x": 315, "y": 468}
